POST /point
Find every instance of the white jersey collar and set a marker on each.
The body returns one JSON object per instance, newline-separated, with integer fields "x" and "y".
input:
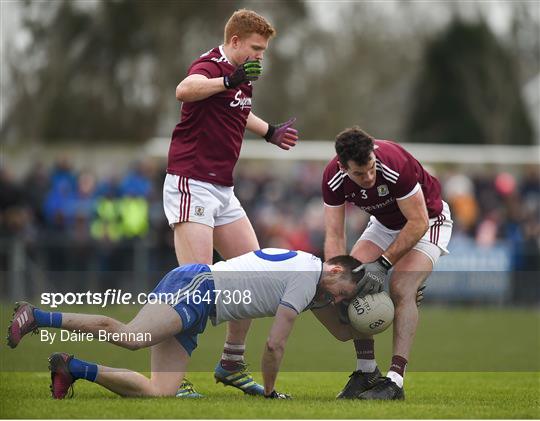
{"x": 222, "y": 52}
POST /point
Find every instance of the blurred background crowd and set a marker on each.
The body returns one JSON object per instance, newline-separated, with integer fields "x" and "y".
{"x": 97, "y": 79}
{"x": 75, "y": 220}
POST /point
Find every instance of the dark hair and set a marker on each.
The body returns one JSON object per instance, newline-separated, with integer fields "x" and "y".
{"x": 353, "y": 144}
{"x": 349, "y": 263}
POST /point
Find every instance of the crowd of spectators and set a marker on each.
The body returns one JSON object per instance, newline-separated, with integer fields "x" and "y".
{"x": 74, "y": 220}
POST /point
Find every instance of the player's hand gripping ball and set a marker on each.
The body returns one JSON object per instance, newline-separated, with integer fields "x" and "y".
{"x": 375, "y": 274}
{"x": 372, "y": 313}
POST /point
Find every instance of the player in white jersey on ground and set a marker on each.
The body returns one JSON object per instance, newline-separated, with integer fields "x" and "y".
{"x": 262, "y": 283}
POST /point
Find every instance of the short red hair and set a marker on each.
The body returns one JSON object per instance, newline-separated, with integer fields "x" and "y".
{"x": 245, "y": 22}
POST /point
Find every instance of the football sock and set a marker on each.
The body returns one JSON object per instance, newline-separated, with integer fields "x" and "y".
{"x": 366, "y": 366}
{"x": 396, "y": 378}
{"x": 399, "y": 364}
{"x": 365, "y": 355}
{"x": 47, "y": 318}
{"x": 233, "y": 356}
{"x": 83, "y": 370}
{"x": 397, "y": 369}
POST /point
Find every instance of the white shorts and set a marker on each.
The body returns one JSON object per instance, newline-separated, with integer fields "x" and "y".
{"x": 433, "y": 244}
{"x": 188, "y": 200}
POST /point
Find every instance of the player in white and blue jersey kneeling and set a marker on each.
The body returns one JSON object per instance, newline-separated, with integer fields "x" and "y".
{"x": 268, "y": 282}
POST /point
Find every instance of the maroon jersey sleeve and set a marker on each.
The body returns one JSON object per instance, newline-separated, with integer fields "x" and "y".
{"x": 407, "y": 183}
{"x": 332, "y": 185}
{"x": 209, "y": 69}
{"x": 398, "y": 167}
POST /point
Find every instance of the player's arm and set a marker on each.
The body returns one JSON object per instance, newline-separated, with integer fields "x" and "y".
{"x": 415, "y": 211}
{"x": 282, "y": 135}
{"x": 334, "y": 224}
{"x": 275, "y": 346}
{"x": 256, "y": 125}
{"x": 198, "y": 87}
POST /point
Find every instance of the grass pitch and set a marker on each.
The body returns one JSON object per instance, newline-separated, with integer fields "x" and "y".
{"x": 490, "y": 359}
{"x": 428, "y": 395}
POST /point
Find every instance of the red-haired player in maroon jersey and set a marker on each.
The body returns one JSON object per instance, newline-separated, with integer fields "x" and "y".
{"x": 198, "y": 195}
{"x": 409, "y": 229}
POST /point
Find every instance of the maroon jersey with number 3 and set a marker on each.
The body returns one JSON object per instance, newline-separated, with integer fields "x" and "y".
{"x": 206, "y": 143}
{"x": 399, "y": 175}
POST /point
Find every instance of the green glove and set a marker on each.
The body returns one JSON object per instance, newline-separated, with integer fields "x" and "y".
{"x": 248, "y": 71}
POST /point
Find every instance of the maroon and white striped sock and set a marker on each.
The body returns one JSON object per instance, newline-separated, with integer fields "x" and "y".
{"x": 365, "y": 355}
{"x": 397, "y": 369}
{"x": 233, "y": 356}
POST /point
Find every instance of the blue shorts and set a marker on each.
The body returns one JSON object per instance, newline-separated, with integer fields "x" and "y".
{"x": 184, "y": 286}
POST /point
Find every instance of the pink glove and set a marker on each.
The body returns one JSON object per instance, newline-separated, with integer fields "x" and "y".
{"x": 282, "y": 135}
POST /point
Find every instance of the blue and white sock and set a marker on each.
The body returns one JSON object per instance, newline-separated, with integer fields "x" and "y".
{"x": 83, "y": 370}
{"x": 47, "y": 318}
